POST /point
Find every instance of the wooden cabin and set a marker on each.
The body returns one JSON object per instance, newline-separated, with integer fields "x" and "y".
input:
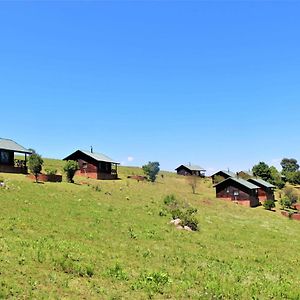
{"x": 221, "y": 175}
{"x": 187, "y": 170}
{"x": 8, "y": 162}
{"x": 238, "y": 190}
{"x": 266, "y": 189}
{"x": 94, "y": 165}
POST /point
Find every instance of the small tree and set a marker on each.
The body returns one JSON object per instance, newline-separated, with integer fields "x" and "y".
{"x": 35, "y": 163}
{"x": 192, "y": 182}
{"x": 70, "y": 167}
{"x": 151, "y": 170}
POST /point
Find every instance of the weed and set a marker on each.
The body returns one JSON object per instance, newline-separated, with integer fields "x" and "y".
{"x": 117, "y": 272}
{"x": 152, "y": 282}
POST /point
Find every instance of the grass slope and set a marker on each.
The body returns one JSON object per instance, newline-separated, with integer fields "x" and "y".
{"x": 68, "y": 241}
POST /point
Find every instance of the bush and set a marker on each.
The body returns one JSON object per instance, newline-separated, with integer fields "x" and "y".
{"x": 51, "y": 171}
{"x": 35, "y": 163}
{"x": 183, "y": 211}
{"x": 169, "y": 200}
{"x": 285, "y": 202}
{"x": 269, "y": 204}
{"x": 152, "y": 282}
{"x": 151, "y": 170}
{"x": 291, "y": 194}
{"x": 70, "y": 167}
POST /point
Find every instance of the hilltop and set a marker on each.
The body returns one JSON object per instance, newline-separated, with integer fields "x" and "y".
{"x": 109, "y": 240}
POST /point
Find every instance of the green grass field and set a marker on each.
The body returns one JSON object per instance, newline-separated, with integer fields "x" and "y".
{"x": 76, "y": 241}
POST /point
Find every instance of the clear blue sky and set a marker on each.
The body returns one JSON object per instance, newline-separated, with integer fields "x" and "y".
{"x": 212, "y": 83}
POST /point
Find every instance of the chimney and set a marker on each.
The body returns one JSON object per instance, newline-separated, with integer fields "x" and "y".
{"x": 91, "y": 149}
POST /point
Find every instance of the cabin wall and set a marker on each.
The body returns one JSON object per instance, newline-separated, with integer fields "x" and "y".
{"x": 265, "y": 194}
{"x": 183, "y": 171}
{"x": 237, "y": 194}
{"x": 102, "y": 170}
{"x": 6, "y": 157}
{"x": 12, "y": 169}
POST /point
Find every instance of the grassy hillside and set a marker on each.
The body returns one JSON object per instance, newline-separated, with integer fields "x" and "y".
{"x": 107, "y": 240}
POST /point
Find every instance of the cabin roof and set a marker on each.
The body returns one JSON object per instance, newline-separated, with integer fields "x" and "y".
{"x": 241, "y": 181}
{"x": 192, "y": 167}
{"x": 262, "y": 182}
{"x": 96, "y": 156}
{"x": 250, "y": 173}
{"x": 229, "y": 173}
{"x": 7, "y": 144}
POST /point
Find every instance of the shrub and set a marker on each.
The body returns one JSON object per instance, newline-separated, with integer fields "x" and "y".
{"x": 269, "y": 204}
{"x": 117, "y": 272}
{"x": 291, "y": 194}
{"x": 51, "y": 171}
{"x": 152, "y": 282}
{"x": 35, "y": 163}
{"x": 151, "y": 170}
{"x": 70, "y": 167}
{"x": 285, "y": 202}
{"x": 170, "y": 199}
{"x": 183, "y": 211}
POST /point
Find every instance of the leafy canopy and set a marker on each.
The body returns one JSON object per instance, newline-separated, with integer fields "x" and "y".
{"x": 35, "y": 163}
{"x": 262, "y": 170}
{"x": 289, "y": 165}
{"x": 151, "y": 170}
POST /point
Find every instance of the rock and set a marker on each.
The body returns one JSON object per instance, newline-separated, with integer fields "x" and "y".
{"x": 177, "y": 221}
{"x": 187, "y": 228}
{"x": 179, "y": 227}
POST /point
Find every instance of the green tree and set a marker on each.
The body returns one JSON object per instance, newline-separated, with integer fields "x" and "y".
{"x": 293, "y": 177}
{"x": 35, "y": 164}
{"x": 276, "y": 178}
{"x": 70, "y": 168}
{"x": 289, "y": 165}
{"x": 262, "y": 170}
{"x": 151, "y": 170}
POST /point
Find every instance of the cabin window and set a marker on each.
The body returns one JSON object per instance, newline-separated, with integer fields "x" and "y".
{"x": 4, "y": 157}
{"x": 84, "y": 165}
{"x": 227, "y": 191}
{"x": 236, "y": 193}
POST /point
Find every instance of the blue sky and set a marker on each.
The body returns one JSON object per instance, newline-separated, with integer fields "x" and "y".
{"x": 211, "y": 83}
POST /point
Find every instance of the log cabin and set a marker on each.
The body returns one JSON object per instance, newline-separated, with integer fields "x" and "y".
{"x": 8, "y": 162}
{"x": 94, "y": 165}
{"x": 187, "y": 170}
{"x": 266, "y": 189}
{"x": 238, "y": 190}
